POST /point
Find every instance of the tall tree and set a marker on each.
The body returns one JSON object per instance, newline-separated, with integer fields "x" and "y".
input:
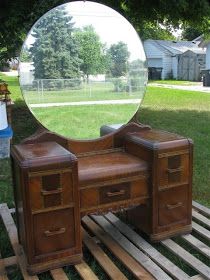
{"x": 119, "y": 55}
{"x": 91, "y": 51}
{"x": 18, "y": 16}
{"x": 55, "y": 52}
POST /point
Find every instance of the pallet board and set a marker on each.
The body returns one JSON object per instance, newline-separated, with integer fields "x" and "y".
{"x": 121, "y": 253}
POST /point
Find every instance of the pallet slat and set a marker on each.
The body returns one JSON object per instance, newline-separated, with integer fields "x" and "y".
{"x": 201, "y": 208}
{"x": 197, "y": 277}
{"x": 197, "y": 244}
{"x": 145, "y": 261}
{"x": 12, "y": 233}
{"x": 58, "y": 274}
{"x": 85, "y": 272}
{"x": 192, "y": 261}
{"x": 143, "y": 245}
{"x": 201, "y": 230}
{"x": 126, "y": 245}
{"x": 201, "y": 218}
{"x": 3, "y": 273}
{"x": 8, "y": 261}
{"x": 131, "y": 264}
{"x": 109, "y": 267}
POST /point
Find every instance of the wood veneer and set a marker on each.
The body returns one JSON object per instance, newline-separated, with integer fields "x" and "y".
{"x": 57, "y": 180}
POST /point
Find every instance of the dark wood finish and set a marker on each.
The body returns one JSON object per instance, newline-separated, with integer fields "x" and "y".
{"x": 168, "y": 211}
{"x": 145, "y": 171}
{"x": 47, "y": 205}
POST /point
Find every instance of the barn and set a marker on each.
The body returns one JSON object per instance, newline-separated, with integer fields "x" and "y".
{"x": 168, "y": 59}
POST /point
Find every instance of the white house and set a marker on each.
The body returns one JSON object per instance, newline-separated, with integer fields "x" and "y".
{"x": 163, "y": 57}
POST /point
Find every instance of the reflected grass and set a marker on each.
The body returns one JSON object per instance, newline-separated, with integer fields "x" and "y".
{"x": 83, "y": 122}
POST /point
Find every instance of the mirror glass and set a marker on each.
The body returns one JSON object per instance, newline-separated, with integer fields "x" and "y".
{"x": 82, "y": 66}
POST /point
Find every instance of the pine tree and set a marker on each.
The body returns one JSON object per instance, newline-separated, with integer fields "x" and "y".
{"x": 55, "y": 52}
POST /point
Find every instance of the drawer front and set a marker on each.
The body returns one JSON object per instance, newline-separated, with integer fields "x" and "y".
{"x": 94, "y": 197}
{"x": 54, "y": 231}
{"x": 173, "y": 205}
{"x": 51, "y": 189}
{"x": 173, "y": 170}
{"x": 118, "y": 192}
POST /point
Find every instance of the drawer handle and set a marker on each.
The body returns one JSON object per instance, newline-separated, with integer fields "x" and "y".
{"x": 173, "y": 170}
{"x": 54, "y": 232}
{"x": 173, "y": 206}
{"x": 111, "y": 194}
{"x": 43, "y": 192}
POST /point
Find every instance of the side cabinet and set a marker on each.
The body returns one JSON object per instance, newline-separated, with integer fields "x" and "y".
{"x": 45, "y": 177}
{"x": 168, "y": 211}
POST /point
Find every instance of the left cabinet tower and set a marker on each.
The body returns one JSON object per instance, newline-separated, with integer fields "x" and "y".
{"x": 47, "y": 205}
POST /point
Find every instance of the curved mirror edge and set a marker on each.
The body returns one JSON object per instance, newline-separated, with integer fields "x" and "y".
{"x": 62, "y": 93}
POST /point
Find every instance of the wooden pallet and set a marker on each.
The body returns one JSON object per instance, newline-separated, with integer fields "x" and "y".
{"x": 133, "y": 252}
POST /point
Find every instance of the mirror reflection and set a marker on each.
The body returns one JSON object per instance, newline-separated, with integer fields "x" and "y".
{"x": 82, "y": 66}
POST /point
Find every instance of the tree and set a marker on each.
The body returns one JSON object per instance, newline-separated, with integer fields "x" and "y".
{"x": 119, "y": 55}
{"x": 55, "y": 52}
{"x": 91, "y": 51}
{"x": 155, "y": 31}
{"x": 18, "y": 16}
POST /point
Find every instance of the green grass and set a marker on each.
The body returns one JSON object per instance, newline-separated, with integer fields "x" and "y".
{"x": 183, "y": 112}
{"x": 173, "y": 82}
{"x": 83, "y": 122}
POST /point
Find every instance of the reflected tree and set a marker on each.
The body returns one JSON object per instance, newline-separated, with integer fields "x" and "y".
{"x": 54, "y": 51}
{"x": 91, "y": 51}
{"x": 119, "y": 55}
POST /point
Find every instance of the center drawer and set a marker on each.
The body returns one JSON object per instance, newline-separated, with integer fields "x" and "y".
{"x": 114, "y": 193}
{"x": 96, "y": 196}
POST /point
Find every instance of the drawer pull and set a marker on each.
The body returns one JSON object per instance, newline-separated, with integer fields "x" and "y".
{"x": 174, "y": 170}
{"x": 111, "y": 194}
{"x": 173, "y": 206}
{"x": 51, "y": 192}
{"x": 54, "y": 232}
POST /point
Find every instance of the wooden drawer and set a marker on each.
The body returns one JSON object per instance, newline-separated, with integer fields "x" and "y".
{"x": 50, "y": 189}
{"x": 94, "y": 197}
{"x": 173, "y": 170}
{"x": 173, "y": 205}
{"x": 118, "y": 192}
{"x": 54, "y": 231}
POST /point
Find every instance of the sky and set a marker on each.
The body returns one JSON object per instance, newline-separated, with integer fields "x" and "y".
{"x": 109, "y": 25}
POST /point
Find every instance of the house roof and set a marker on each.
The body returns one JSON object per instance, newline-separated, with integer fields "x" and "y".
{"x": 176, "y": 47}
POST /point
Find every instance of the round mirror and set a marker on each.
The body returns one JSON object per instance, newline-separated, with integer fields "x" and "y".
{"x": 82, "y": 66}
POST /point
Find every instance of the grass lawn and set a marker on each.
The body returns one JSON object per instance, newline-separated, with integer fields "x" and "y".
{"x": 183, "y": 112}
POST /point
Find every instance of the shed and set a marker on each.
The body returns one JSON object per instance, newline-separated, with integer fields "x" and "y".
{"x": 190, "y": 64}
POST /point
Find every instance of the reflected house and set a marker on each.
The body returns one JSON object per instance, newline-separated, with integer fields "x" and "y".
{"x": 27, "y": 73}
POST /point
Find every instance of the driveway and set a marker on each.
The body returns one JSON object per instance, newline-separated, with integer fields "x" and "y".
{"x": 197, "y": 87}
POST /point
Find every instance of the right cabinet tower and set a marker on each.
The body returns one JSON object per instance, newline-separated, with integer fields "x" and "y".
{"x": 169, "y": 209}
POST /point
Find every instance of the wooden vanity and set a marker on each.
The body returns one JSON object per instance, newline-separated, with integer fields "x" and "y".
{"x": 57, "y": 181}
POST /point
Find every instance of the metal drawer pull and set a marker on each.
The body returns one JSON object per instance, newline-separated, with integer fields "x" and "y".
{"x": 111, "y": 194}
{"x": 43, "y": 192}
{"x": 173, "y": 170}
{"x": 173, "y": 206}
{"x": 55, "y": 232}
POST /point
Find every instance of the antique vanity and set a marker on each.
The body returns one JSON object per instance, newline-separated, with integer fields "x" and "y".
{"x": 59, "y": 179}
